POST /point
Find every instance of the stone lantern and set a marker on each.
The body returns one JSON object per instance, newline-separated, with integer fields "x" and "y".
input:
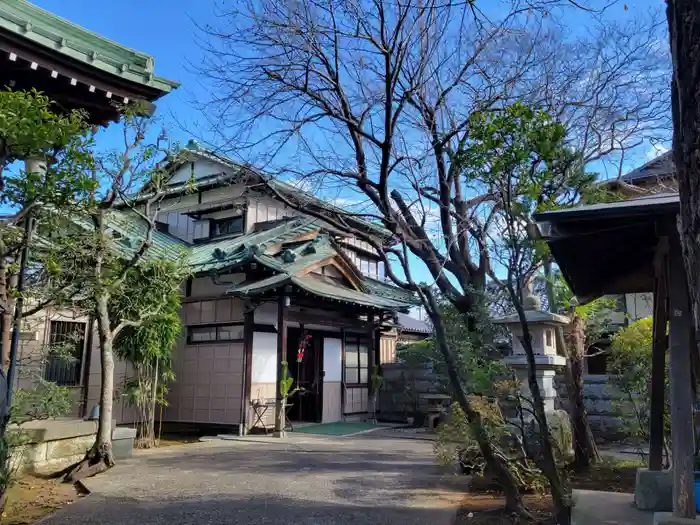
{"x": 542, "y": 327}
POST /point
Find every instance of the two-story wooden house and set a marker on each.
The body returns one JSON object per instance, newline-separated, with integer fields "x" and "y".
{"x": 264, "y": 276}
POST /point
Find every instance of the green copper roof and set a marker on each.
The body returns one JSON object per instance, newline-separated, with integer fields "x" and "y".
{"x": 316, "y": 285}
{"x": 128, "y": 230}
{"x": 287, "y": 262}
{"x": 59, "y": 35}
{"x": 225, "y": 253}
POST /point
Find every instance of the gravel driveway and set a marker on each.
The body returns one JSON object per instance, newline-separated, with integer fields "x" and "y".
{"x": 375, "y": 477}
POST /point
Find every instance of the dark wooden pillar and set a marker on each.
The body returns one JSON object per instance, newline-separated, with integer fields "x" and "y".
{"x": 282, "y": 317}
{"x": 681, "y": 389}
{"x": 248, "y": 333}
{"x": 658, "y": 360}
{"x": 371, "y": 351}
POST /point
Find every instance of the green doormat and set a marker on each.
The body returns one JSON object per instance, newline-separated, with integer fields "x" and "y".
{"x": 336, "y": 429}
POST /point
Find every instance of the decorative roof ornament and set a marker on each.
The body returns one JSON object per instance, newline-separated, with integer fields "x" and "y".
{"x": 288, "y": 256}
{"x": 218, "y": 254}
{"x": 193, "y": 145}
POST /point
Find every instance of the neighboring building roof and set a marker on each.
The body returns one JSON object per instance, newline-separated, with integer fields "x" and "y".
{"x": 660, "y": 167}
{"x": 657, "y": 203}
{"x": 59, "y": 36}
{"x": 411, "y": 324}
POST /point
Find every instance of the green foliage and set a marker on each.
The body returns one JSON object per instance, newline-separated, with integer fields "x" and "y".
{"x": 456, "y": 442}
{"x": 29, "y": 128}
{"x": 286, "y": 381}
{"x": 150, "y": 286}
{"x": 479, "y": 363}
{"x": 629, "y": 368}
{"x": 46, "y": 400}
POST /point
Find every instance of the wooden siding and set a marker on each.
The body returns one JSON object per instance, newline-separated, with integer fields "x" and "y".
{"x": 332, "y": 402}
{"x": 355, "y": 400}
{"x": 213, "y": 311}
{"x": 387, "y": 349}
{"x": 205, "y": 287}
{"x": 262, "y": 209}
{"x": 208, "y": 385}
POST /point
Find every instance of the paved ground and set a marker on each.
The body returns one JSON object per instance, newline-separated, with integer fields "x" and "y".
{"x": 370, "y": 478}
{"x": 608, "y": 508}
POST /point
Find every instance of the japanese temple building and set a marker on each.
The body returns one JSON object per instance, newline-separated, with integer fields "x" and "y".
{"x": 76, "y": 68}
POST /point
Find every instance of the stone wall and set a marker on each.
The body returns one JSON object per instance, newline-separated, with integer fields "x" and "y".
{"x": 50, "y": 446}
{"x": 603, "y": 404}
{"x": 399, "y": 396}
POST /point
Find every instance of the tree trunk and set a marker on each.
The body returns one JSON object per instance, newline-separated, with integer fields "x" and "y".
{"x": 561, "y": 496}
{"x": 99, "y": 458}
{"x": 152, "y": 410}
{"x": 514, "y": 501}
{"x": 585, "y": 446}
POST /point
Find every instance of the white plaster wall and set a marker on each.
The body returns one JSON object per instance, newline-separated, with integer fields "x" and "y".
{"x": 264, "y": 365}
{"x": 332, "y": 359}
{"x": 639, "y": 305}
{"x": 199, "y": 168}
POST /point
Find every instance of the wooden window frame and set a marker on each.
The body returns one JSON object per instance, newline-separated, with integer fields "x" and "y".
{"x": 356, "y": 340}
{"x": 213, "y": 222}
{"x": 216, "y": 328}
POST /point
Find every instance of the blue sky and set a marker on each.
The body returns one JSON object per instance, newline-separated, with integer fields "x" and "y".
{"x": 166, "y": 30}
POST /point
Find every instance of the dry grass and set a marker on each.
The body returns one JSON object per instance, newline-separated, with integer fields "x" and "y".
{"x": 485, "y": 506}
{"x": 487, "y": 509}
{"x": 31, "y": 498}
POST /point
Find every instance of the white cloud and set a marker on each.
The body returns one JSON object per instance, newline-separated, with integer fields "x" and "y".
{"x": 654, "y": 151}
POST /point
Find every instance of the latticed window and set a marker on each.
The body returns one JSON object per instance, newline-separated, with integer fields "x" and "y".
{"x": 356, "y": 359}
{"x": 65, "y": 358}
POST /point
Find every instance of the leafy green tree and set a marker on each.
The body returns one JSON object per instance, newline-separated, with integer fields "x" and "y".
{"x": 55, "y": 149}
{"x": 629, "y": 369}
{"x": 518, "y": 154}
{"x": 102, "y": 261}
{"x": 149, "y": 346}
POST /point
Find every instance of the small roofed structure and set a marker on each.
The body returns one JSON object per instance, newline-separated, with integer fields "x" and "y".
{"x": 633, "y": 246}
{"x": 76, "y": 68}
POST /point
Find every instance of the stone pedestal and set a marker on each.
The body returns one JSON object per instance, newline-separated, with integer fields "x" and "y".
{"x": 546, "y": 369}
{"x": 653, "y": 490}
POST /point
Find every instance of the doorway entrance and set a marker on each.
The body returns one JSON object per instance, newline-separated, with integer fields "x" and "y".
{"x": 307, "y": 402}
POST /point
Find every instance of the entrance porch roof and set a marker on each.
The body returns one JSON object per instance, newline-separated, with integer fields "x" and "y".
{"x": 609, "y": 248}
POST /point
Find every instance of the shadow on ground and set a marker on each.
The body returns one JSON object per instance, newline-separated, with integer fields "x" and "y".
{"x": 249, "y": 511}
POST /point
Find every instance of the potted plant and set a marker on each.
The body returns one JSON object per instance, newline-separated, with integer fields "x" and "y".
{"x": 286, "y": 382}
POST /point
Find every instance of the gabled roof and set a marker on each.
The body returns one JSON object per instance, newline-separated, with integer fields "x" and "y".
{"x": 660, "y": 167}
{"x": 413, "y": 325}
{"x": 292, "y": 248}
{"x": 260, "y": 180}
{"x": 59, "y": 36}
